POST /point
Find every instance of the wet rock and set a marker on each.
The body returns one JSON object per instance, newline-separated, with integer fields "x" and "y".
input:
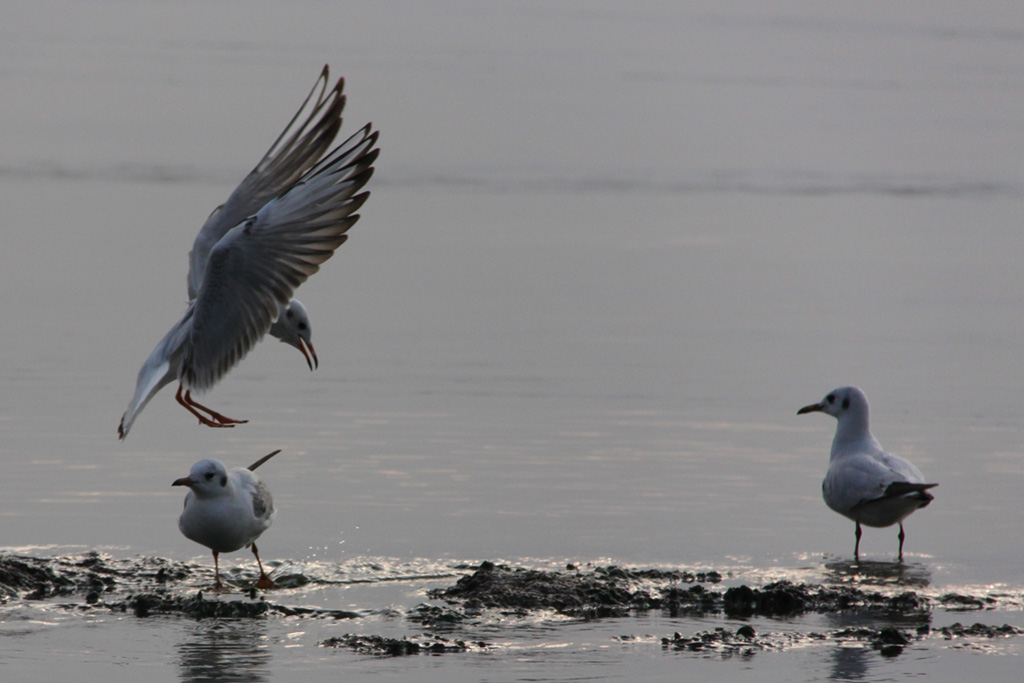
{"x": 529, "y": 589}
{"x": 18, "y": 574}
{"x": 293, "y": 580}
{"x": 740, "y": 602}
{"x": 37, "y": 578}
{"x": 197, "y": 607}
{"x": 854, "y": 633}
{"x": 434, "y": 616}
{"x": 694, "y": 600}
{"x": 616, "y": 591}
{"x": 890, "y": 642}
{"x": 963, "y": 602}
{"x": 399, "y": 647}
{"x": 146, "y": 587}
{"x": 777, "y": 599}
{"x": 158, "y": 570}
{"x": 314, "y": 612}
{"x": 906, "y": 602}
{"x": 721, "y": 641}
{"x": 603, "y": 592}
{"x": 890, "y": 635}
{"x": 782, "y": 599}
{"x": 958, "y": 630}
{"x": 659, "y": 575}
{"x": 374, "y": 645}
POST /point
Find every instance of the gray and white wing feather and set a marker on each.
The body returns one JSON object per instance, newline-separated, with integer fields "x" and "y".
{"x": 863, "y": 477}
{"x": 263, "y": 511}
{"x": 263, "y": 503}
{"x": 304, "y": 140}
{"x": 259, "y": 263}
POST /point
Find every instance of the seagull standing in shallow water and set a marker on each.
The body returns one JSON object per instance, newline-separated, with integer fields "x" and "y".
{"x": 227, "y": 510}
{"x": 864, "y": 482}
{"x": 285, "y": 219}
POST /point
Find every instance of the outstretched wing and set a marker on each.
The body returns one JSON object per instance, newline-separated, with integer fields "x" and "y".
{"x": 260, "y": 262}
{"x": 304, "y": 140}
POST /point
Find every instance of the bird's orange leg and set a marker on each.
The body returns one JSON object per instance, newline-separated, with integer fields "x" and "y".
{"x": 215, "y": 419}
{"x": 217, "y": 585}
{"x": 222, "y": 419}
{"x": 264, "y": 582}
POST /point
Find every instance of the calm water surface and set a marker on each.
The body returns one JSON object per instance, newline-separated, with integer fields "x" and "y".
{"x": 610, "y": 251}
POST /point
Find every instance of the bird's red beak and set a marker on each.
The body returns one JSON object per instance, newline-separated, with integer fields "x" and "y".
{"x": 313, "y": 362}
{"x": 184, "y": 481}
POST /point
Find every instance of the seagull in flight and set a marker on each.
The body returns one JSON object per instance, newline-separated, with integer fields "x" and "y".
{"x": 227, "y": 510}
{"x": 864, "y": 482}
{"x": 275, "y": 229}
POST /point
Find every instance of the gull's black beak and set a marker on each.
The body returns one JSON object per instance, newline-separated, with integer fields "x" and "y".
{"x": 813, "y": 408}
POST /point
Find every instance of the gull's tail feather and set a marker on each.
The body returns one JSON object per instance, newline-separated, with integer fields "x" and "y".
{"x": 159, "y": 370}
{"x": 262, "y": 460}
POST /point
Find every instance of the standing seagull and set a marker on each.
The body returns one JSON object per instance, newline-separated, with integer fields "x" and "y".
{"x": 284, "y": 219}
{"x": 864, "y": 482}
{"x": 226, "y": 511}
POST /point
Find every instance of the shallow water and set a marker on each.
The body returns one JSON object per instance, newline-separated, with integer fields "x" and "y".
{"x": 610, "y": 251}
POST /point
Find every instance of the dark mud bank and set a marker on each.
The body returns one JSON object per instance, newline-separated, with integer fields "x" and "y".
{"x": 143, "y": 587}
{"x": 607, "y": 592}
{"x": 451, "y": 620}
{"x": 617, "y": 591}
{"x": 157, "y": 585}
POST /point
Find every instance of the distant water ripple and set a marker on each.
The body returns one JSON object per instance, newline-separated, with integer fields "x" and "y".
{"x": 756, "y": 182}
{"x": 799, "y": 183}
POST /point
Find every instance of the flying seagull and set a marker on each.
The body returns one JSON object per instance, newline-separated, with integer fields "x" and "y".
{"x": 285, "y": 219}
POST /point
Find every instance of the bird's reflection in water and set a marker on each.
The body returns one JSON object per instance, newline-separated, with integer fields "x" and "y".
{"x": 909, "y": 575}
{"x": 224, "y": 650}
{"x": 854, "y": 660}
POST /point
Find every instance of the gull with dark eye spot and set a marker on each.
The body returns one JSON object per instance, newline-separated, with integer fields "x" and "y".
{"x": 863, "y": 482}
{"x": 293, "y": 328}
{"x": 274, "y": 231}
{"x": 227, "y": 510}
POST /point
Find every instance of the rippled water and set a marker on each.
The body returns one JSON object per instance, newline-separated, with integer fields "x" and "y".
{"x": 610, "y": 251}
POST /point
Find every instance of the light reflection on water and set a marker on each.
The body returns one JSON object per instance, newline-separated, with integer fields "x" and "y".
{"x": 912, "y": 575}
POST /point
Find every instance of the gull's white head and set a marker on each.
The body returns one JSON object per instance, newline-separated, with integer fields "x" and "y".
{"x": 839, "y": 403}
{"x": 849, "y": 406}
{"x": 292, "y": 327}
{"x": 207, "y": 478}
